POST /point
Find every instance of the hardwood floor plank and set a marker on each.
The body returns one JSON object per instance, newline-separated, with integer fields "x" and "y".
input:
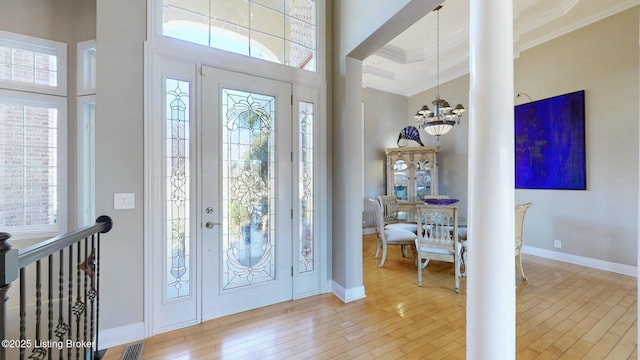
{"x": 564, "y": 311}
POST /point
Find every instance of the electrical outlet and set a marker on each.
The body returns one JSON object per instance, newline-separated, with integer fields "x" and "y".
{"x": 557, "y": 244}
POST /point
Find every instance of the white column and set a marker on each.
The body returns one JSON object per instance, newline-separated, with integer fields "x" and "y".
{"x": 491, "y": 269}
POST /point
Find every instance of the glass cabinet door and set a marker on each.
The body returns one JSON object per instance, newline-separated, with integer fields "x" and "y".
{"x": 400, "y": 179}
{"x": 423, "y": 179}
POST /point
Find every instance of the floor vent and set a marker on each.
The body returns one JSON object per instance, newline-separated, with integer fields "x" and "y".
{"x": 133, "y": 352}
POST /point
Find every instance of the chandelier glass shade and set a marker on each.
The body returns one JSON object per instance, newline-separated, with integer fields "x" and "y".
{"x": 443, "y": 117}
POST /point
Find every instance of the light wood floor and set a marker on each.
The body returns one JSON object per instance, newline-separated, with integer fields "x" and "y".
{"x": 564, "y": 311}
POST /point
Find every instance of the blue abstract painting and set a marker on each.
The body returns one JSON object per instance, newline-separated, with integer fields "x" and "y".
{"x": 550, "y": 143}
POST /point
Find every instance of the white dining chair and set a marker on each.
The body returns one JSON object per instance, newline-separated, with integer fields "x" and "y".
{"x": 386, "y": 237}
{"x": 521, "y": 211}
{"x": 438, "y": 238}
{"x": 390, "y": 210}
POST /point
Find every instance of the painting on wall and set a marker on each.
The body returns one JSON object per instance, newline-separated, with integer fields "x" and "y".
{"x": 550, "y": 143}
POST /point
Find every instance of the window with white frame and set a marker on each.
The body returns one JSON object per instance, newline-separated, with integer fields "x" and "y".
{"x": 280, "y": 31}
{"x": 33, "y": 130}
{"x": 85, "y": 131}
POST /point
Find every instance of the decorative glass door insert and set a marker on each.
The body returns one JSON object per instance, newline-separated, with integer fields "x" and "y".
{"x": 248, "y": 187}
{"x": 305, "y": 179}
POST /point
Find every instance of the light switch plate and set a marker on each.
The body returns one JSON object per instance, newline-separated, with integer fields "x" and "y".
{"x": 123, "y": 201}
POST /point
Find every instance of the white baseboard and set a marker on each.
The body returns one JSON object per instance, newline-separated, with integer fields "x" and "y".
{"x": 366, "y": 231}
{"x": 347, "y": 295}
{"x": 121, "y": 335}
{"x": 583, "y": 261}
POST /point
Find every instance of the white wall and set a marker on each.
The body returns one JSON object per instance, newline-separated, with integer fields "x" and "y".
{"x": 602, "y": 59}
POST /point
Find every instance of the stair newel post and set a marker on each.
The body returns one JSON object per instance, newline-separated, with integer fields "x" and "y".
{"x": 9, "y": 272}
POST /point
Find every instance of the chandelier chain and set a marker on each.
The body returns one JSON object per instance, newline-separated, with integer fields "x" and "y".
{"x": 438, "y": 53}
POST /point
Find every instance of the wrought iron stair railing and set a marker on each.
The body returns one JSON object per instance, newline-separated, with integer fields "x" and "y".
{"x": 61, "y": 321}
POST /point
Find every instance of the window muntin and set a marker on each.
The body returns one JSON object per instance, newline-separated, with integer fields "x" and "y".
{"x": 281, "y": 31}
{"x": 32, "y": 64}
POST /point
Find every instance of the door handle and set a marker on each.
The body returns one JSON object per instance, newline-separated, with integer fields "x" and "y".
{"x": 210, "y": 224}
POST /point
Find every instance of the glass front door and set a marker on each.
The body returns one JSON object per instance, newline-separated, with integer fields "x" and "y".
{"x": 246, "y": 192}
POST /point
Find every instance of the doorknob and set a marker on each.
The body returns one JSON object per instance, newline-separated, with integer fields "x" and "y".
{"x": 209, "y": 224}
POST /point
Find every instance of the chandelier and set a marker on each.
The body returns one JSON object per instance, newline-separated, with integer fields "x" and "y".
{"x": 442, "y": 119}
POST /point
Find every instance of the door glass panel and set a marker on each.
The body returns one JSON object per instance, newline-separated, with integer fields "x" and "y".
{"x": 248, "y": 188}
{"x": 423, "y": 179}
{"x": 305, "y": 179}
{"x": 177, "y": 188}
{"x": 400, "y": 179}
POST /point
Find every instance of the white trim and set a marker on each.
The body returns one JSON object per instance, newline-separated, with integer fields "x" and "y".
{"x": 148, "y": 169}
{"x": 162, "y": 315}
{"x": 347, "y": 295}
{"x": 368, "y": 230}
{"x": 583, "y": 261}
{"x": 121, "y": 335}
{"x": 308, "y": 283}
{"x": 20, "y": 41}
{"x": 86, "y": 68}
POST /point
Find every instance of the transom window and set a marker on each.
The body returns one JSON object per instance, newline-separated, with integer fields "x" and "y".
{"x": 32, "y": 64}
{"x": 280, "y": 31}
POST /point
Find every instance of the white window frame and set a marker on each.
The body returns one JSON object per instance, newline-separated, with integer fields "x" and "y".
{"x": 86, "y": 160}
{"x": 85, "y": 141}
{"x": 60, "y": 103}
{"x": 86, "y": 67}
{"x": 49, "y": 96}
{"x": 25, "y": 42}
{"x": 155, "y": 35}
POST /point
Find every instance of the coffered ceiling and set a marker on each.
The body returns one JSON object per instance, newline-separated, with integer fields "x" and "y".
{"x": 407, "y": 64}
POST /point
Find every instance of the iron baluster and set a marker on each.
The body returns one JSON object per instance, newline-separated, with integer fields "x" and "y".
{"x": 23, "y": 310}
{"x": 86, "y": 268}
{"x": 77, "y": 307}
{"x": 38, "y": 352}
{"x": 62, "y": 326}
{"x": 92, "y": 297}
{"x": 97, "y": 265}
{"x": 70, "y": 299}
{"x": 50, "y": 304}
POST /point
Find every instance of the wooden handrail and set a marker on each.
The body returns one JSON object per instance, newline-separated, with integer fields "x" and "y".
{"x": 45, "y": 248}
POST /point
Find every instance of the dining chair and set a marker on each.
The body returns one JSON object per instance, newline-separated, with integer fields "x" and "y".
{"x": 388, "y": 237}
{"x": 521, "y": 211}
{"x": 390, "y": 210}
{"x": 438, "y": 238}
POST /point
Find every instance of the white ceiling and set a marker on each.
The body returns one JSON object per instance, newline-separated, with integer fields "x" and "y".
{"x": 407, "y": 64}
